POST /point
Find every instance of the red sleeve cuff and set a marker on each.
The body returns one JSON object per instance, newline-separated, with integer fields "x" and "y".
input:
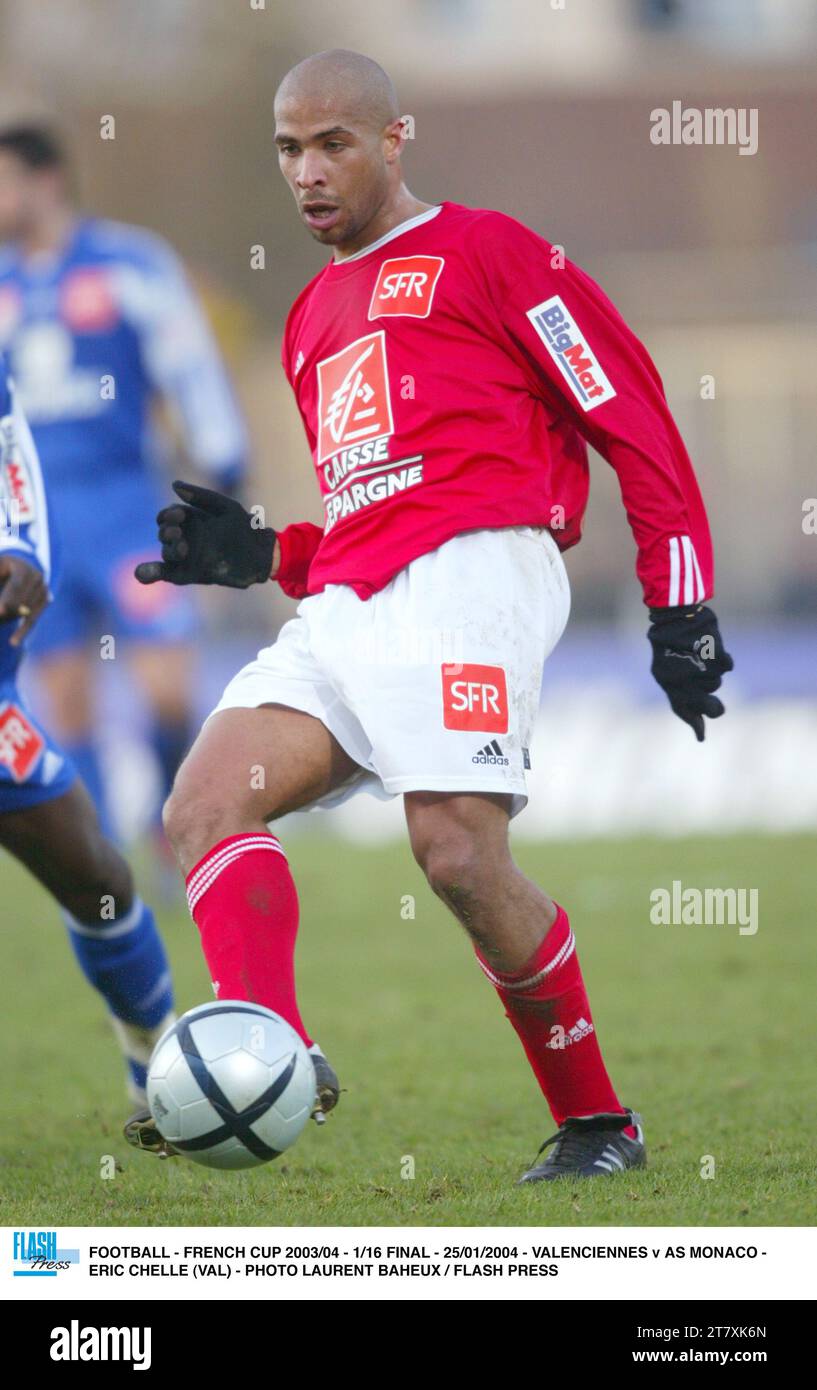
{"x": 299, "y": 544}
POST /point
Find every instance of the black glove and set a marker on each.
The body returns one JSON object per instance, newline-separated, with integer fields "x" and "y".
{"x": 209, "y": 540}
{"x": 688, "y": 662}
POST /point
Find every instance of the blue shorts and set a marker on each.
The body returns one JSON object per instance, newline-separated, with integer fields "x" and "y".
{"x": 104, "y": 531}
{"x": 33, "y": 768}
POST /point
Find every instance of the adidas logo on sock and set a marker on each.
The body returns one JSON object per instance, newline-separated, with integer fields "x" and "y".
{"x": 581, "y": 1029}
{"x": 491, "y": 753}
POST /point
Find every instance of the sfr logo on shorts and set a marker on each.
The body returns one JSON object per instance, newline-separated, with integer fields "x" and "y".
{"x": 476, "y": 698}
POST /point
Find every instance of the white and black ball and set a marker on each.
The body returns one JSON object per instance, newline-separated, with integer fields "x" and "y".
{"x": 231, "y": 1085}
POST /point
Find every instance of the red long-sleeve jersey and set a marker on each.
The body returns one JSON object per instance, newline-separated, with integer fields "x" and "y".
{"x": 449, "y": 377}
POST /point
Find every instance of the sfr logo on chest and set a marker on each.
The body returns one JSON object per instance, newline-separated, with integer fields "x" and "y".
{"x": 405, "y": 287}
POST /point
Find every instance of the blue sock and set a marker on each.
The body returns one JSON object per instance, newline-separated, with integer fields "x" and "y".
{"x": 84, "y": 756}
{"x": 125, "y": 961}
{"x": 170, "y": 740}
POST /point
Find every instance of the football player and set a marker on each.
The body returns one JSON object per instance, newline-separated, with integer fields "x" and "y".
{"x": 47, "y": 818}
{"x": 99, "y": 322}
{"x": 450, "y": 368}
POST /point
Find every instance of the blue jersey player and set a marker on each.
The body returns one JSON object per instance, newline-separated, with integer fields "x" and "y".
{"x": 100, "y": 323}
{"x": 47, "y": 819}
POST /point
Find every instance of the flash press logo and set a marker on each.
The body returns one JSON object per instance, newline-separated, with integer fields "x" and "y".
{"x": 75, "y": 1343}
{"x": 36, "y": 1255}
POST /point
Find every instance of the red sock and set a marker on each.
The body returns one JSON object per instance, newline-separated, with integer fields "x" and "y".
{"x": 245, "y": 905}
{"x": 547, "y": 1004}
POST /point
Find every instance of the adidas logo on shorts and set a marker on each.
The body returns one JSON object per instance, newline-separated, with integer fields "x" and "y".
{"x": 491, "y": 753}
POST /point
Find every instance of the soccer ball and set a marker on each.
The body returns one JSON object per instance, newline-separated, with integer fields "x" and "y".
{"x": 231, "y": 1085}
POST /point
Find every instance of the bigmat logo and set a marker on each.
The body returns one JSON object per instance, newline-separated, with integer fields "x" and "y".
{"x": 475, "y": 697}
{"x": 569, "y": 349}
{"x": 405, "y": 287}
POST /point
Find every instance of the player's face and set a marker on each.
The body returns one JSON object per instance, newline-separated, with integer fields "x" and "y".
{"x": 15, "y": 197}
{"x": 337, "y": 170}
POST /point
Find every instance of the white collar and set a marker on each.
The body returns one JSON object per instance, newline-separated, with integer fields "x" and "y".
{"x": 389, "y": 236}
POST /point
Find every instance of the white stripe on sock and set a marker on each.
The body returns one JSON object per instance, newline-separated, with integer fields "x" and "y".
{"x": 223, "y": 861}
{"x": 156, "y": 991}
{"x": 246, "y": 842}
{"x": 561, "y": 956}
{"x": 120, "y": 926}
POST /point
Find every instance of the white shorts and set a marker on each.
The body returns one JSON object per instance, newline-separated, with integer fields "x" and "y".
{"x": 433, "y": 683}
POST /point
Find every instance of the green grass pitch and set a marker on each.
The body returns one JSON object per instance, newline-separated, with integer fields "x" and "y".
{"x": 706, "y": 1032}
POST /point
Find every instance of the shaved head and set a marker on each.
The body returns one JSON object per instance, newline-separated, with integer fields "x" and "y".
{"x": 340, "y": 135}
{"x": 340, "y": 79}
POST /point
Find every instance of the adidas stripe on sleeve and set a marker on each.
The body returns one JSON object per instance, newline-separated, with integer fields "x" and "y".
{"x": 685, "y": 582}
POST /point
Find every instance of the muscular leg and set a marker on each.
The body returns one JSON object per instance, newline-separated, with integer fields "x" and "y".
{"x": 461, "y": 843}
{"x": 523, "y": 942}
{"x": 246, "y": 767}
{"x": 60, "y": 842}
{"x": 112, "y": 933}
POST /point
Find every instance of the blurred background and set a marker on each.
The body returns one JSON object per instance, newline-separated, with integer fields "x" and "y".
{"x": 542, "y": 111}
